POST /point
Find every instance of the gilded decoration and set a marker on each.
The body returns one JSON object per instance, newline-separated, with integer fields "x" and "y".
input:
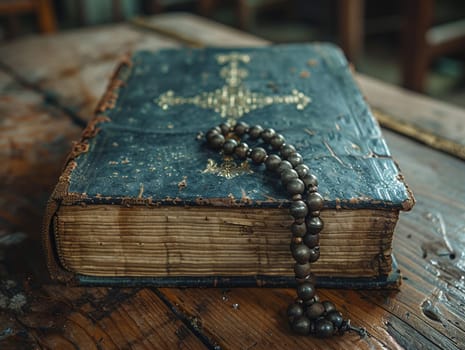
{"x": 228, "y": 168}
{"x": 234, "y": 99}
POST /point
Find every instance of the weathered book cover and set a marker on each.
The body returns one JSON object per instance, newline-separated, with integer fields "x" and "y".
{"x": 143, "y": 201}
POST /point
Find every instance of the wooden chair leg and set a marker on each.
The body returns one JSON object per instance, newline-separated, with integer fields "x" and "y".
{"x": 46, "y": 16}
{"x": 351, "y": 28}
{"x": 245, "y": 15}
{"x": 416, "y": 55}
{"x": 206, "y": 7}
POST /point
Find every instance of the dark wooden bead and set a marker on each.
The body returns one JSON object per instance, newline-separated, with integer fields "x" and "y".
{"x": 295, "y": 159}
{"x": 287, "y": 150}
{"x": 314, "y": 254}
{"x": 310, "y": 278}
{"x": 298, "y": 209}
{"x": 301, "y": 325}
{"x": 310, "y": 181}
{"x": 315, "y": 310}
{"x": 225, "y": 128}
{"x": 324, "y": 328}
{"x": 267, "y": 134}
{"x": 258, "y": 155}
{"x": 302, "y": 170}
{"x": 272, "y": 162}
{"x": 288, "y": 175}
{"x": 241, "y": 150}
{"x": 302, "y": 270}
{"x": 241, "y": 128}
{"x": 212, "y": 132}
{"x": 329, "y": 306}
{"x": 299, "y": 230}
{"x": 314, "y": 224}
{"x": 300, "y": 253}
{"x": 217, "y": 141}
{"x": 277, "y": 141}
{"x": 229, "y": 146}
{"x": 335, "y": 317}
{"x": 294, "y": 310}
{"x": 295, "y": 186}
{"x": 284, "y": 165}
{"x": 315, "y": 201}
{"x": 255, "y": 132}
{"x": 312, "y": 240}
{"x": 306, "y": 291}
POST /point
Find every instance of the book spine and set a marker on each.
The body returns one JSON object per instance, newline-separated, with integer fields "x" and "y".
{"x": 60, "y": 194}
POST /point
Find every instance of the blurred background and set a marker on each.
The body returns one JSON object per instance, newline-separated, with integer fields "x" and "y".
{"x": 418, "y": 44}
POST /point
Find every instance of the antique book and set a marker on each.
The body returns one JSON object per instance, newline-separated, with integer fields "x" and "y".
{"x": 142, "y": 200}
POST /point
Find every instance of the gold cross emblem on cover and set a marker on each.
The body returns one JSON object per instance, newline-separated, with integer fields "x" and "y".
{"x": 233, "y": 99}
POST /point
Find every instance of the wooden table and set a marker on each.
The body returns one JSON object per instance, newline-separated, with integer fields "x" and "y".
{"x": 48, "y": 88}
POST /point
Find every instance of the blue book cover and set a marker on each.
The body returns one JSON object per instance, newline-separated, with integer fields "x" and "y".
{"x": 145, "y": 146}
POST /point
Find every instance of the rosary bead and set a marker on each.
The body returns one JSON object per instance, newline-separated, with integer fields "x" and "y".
{"x": 277, "y": 141}
{"x": 302, "y": 270}
{"x": 310, "y": 181}
{"x": 295, "y": 159}
{"x": 311, "y": 240}
{"x": 300, "y": 253}
{"x": 315, "y": 310}
{"x": 324, "y": 328}
{"x": 310, "y": 278}
{"x": 302, "y": 170}
{"x": 314, "y": 254}
{"x": 241, "y": 128}
{"x": 294, "y": 310}
{"x": 255, "y": 132}
{"x": 306, "y": 291}
{"x": 241, "y": 150}
{"x": 314, "y": 224}
{"x": 258, "y": 155}
{"x": 229, "y": 146}
{"x": 315, "y": 201}
{"x": 287, "y": 150}
{"x": 295, "y": 186}
{"x": 298, "y": 209}
{"x": 288, "y": 175}
{"x": 217, "y": 141}
{"x": 267, "y": 134}
{"x": 284, "y": 165}
{"x": 301, "y": 325}
{"x": 225, "y": 128}
{"x": 272, "y": 162}
{"x": 329, "y": 306}
{"x": 335, "y": 317}
{"x": 299, "y": 230}
{"x": 212, "y": 132}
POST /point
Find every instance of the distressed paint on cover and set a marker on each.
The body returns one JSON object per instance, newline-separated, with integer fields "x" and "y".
{"x": 150, "y": 148}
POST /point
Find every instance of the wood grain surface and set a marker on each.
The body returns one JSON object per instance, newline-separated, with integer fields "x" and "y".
{"x": 49, "y": 85}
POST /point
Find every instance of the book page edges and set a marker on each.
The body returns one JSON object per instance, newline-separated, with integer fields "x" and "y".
{"x": 105, "y": 240}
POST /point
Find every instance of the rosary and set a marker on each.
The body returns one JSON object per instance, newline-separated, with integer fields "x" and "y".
{"x": 307, "y": 314}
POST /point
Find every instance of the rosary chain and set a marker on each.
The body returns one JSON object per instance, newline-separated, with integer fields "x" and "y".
{"x": 307, "y": 314}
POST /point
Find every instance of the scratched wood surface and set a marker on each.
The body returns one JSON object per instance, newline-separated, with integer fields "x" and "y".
{"x": 45, "y": 95}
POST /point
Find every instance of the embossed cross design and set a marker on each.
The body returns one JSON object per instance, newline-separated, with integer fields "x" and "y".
{"x": 232, "y": 100}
